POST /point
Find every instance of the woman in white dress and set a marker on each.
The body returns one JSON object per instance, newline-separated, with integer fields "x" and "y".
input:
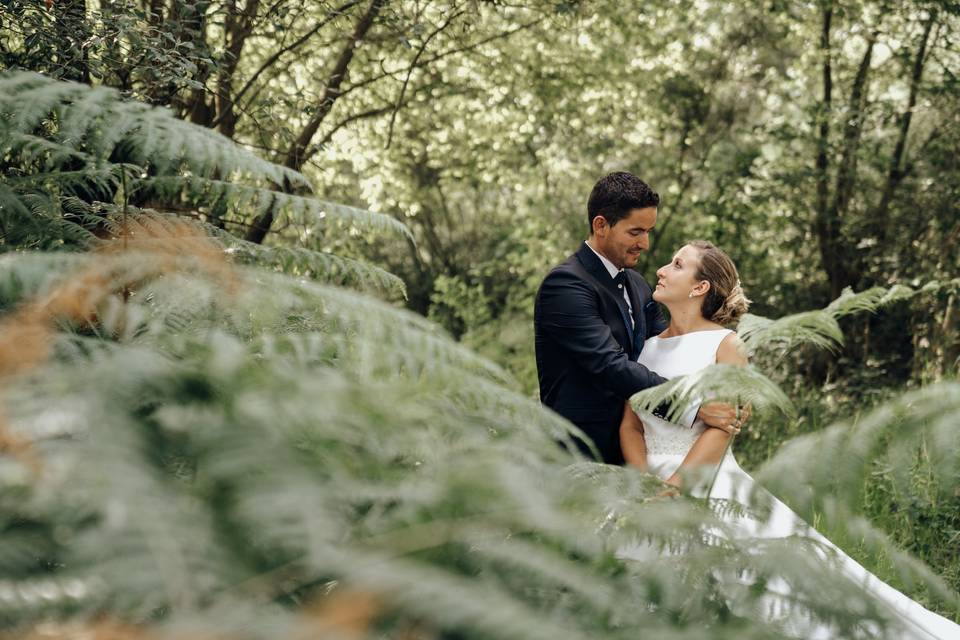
{"x": 701, "y": 289}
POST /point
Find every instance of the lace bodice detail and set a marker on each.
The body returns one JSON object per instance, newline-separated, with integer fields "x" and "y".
{"x": 669, "y": 438}
{"x": 671, "y": 357}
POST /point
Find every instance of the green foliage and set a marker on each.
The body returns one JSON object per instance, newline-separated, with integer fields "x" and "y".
{"x": 821, "y": 328}
{"x": 456, "y": 305}
{"x": 215, "y": 427}
{"x": 906, "y": 498}
{"x": 902, "y": 449}
{"x": 213, "y": 456}
{"x": 716, "y": 383}
{"x": 118, "y": 43}
{"x": 722, "y": 122}
{"x": 919, "y": 513}
{"x": 217, "y": 451}
{"x": 76, "y": 159}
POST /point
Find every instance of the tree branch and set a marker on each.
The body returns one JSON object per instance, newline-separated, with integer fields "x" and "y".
{"x": 847, "y": 169}
{"x": 273, "y": 59}
{"x": 363, "y": 115}
{"x": 297, "y": 154}
{"x": 896, "y": 173}
{"x": 406, "y": 80}
{"x": 443, "y": 54}
{"x": 823, "y": 115}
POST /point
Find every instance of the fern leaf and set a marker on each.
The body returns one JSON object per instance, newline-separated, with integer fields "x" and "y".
{"x": 148, "y": 136}
{"x": 726, "y": 383}
{"x": 870, "y": 300}
{"x": 818, "y": 328}
{"x": 311, "y": 212}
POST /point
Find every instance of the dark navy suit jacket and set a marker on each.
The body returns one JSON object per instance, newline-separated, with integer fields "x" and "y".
{"x": 586, "y": 348}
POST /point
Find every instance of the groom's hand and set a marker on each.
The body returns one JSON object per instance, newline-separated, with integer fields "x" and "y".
{"x": 721, "y": 415}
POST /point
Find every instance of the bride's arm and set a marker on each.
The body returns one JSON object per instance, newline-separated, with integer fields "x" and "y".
{"x": 709, "y": 447}
{"x": 632, "y": 442}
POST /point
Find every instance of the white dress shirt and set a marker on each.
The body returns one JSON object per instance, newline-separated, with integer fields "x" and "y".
{"x": 613, "y": 271}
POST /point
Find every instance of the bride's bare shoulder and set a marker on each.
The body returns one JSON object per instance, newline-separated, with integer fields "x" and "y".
{"x": 732, "y": 350}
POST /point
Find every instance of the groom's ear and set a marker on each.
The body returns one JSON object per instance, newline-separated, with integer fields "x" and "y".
{"x": 599, "y": 225}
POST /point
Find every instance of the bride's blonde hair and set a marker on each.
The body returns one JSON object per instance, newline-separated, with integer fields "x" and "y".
{"x": 725, "y": 302}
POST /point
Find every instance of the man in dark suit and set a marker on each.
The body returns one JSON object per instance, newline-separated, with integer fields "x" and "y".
{"x": 593, "y": 314}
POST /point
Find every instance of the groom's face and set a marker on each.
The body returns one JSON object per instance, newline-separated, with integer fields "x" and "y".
{"x": 623, "y": 242}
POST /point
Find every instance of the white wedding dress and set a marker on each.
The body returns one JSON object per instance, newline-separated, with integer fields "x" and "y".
{"x": 668, "y": 443}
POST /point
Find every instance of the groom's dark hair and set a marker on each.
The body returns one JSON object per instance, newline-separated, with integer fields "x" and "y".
{"x": 616, "y": 195}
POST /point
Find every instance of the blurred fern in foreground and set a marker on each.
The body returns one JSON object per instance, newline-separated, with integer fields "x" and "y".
{"x": 212, "y": 447}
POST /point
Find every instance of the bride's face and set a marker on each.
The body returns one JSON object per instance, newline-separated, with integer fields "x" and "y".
{"x": 677, "y": 279}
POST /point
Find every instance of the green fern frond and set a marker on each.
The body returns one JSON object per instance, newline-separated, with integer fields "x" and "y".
{"x": 27, "y": 99}
{"x": 871, "y": 300}
{"x": 37, "y": 221}
{"x": 379, "y": 336}
{"x": 324, "y": 267}
{"x": 294, "y": 434}
{"x": 96, "y": 121}
{"x": 82, "y": 153}
{"x": 223, "y": 440}
{"x": 46, "y": 597}
{"x": 725, "y": 383}
{"x": 849, "y": 302}
{"x": 837, "y": 460}
{"x": 449, "y": 600}
{"x": 25, "y": 275}
{"x": 818, "y": 328}
{"x": 909, "y": 569}
{"x": 304, "y": 211}
{"x": 33, "y": 149}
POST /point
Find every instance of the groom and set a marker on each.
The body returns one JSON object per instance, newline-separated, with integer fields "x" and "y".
{"x": 593, "y": 313}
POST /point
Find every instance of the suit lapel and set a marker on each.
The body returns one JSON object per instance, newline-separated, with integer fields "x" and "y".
{"x": 601, "y": 276}
{"x": 594, "y": 267}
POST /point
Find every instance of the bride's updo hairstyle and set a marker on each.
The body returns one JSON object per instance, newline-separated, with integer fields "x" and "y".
{"x": 724, "y": 302}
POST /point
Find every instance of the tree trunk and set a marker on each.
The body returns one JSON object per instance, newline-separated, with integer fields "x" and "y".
{"x": 896, "y": 172}
{"x": 853, "y": 127}
{"x": 155, "y": 10}
{"x": 824, "y": 224}
{"x": 238, "y": 27}
{"x": 839, "y": 257}
{"x": 299, "y": 152}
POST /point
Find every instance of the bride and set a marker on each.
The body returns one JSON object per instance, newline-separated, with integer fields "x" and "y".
{"x": 701, "y": 289}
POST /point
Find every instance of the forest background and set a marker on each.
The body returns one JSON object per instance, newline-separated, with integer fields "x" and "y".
{"x": 817, "y": 142}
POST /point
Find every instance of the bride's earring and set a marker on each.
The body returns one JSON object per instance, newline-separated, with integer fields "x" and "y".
{"x": 690, "y": 295}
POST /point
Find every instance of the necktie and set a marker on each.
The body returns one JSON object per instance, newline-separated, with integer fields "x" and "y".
{"x": 623, "y": 288}
{"x": 620, "y": 281}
